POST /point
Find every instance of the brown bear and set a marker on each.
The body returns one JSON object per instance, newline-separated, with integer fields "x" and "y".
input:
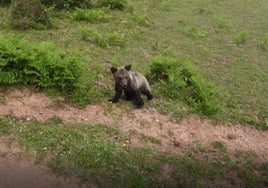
{"x": 133, "y": 84}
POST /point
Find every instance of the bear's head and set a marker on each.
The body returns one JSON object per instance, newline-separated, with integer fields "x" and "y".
{"x": 121, "y": 75}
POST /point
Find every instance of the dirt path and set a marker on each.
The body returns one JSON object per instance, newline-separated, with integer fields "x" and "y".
{"x": 175, "y": 137}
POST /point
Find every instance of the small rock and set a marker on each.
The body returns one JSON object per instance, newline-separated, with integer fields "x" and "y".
{"x": 231, "y": 136}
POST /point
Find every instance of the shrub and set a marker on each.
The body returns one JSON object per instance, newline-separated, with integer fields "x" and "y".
{"x": 27, "y": 14}
{"x": 89, "y": 15}
{"x": 42, "y": 65}
{"x": 161, "y": 71}
{"x": 113, "y": 4}
{"x": 68, "y": 4}
{"x": 5, "y": 2}
{"x": 179, "y": 80}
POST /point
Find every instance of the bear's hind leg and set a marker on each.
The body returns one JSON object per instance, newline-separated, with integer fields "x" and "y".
{"x": 138, "y": 99}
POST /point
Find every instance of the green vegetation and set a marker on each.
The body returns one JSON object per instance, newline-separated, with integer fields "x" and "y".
{"x": 179, "y": 81}
{"x": 227, "y": 59}
{"x": 113, "y": 4}
{"x": 104, "y": 156}
{"x": 68, "y": 4}
{"x": 27, "y": 14}
{"x": 90, "y": 15}
{"x": 107, "y": 40}
{"x": 71, "y": 4}
{"x": 202, "y": 57}
{"x": 42, "y": 65}
{"x": 46, "y": 67}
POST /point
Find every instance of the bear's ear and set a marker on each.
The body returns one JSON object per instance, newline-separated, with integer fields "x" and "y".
{"x": 113, "y": 69}
{"x": 128, "y": 67}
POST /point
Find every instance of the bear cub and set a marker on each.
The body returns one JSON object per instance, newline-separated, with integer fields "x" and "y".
{"x": 133, "y": 84}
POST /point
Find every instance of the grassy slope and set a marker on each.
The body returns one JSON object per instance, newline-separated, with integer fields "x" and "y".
{"x": 226, "y": 40}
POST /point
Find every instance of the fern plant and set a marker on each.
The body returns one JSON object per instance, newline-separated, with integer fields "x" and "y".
{"x": 43, "y": 65}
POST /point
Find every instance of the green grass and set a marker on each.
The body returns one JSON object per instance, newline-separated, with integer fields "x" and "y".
{"x": 104, "y": 156}
{"x": 226, "y": 41}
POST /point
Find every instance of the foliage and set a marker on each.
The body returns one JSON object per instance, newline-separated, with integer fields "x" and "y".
{"x": 68, "y": 4}
{"x": 90, "y": 15}
{"x": 4, "y": 2}
{"x": 71, "y": 4}
{"x": 113, "y": 4}
{"x": 42, "y": 65}
{"x": 27, "y": 14}
{"x": 180, "y": 81}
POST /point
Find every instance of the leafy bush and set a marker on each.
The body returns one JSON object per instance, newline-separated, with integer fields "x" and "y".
{"x": 179, "y": 80}
{"x": 42, "y": 65}
{"x": 70, "y": 4}
{"x": 161, "y": 71}
{"x": 4, "y": 2}
{"x": 89, "y": 15}
{"x": 67, "y": 4}
{"x": 27, "y": 14}
{"x": 113, "y": 4}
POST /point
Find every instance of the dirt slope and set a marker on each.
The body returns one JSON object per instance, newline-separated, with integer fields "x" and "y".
{"x": 175, "y": 137}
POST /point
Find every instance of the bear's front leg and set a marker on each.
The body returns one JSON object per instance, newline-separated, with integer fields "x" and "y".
{"x": 118, "y": 93}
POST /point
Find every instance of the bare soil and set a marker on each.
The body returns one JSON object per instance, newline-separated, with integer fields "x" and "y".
{"x": 175, "y": 136}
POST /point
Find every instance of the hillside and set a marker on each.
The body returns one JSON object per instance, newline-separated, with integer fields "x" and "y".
{"x": 207, "y": 125}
